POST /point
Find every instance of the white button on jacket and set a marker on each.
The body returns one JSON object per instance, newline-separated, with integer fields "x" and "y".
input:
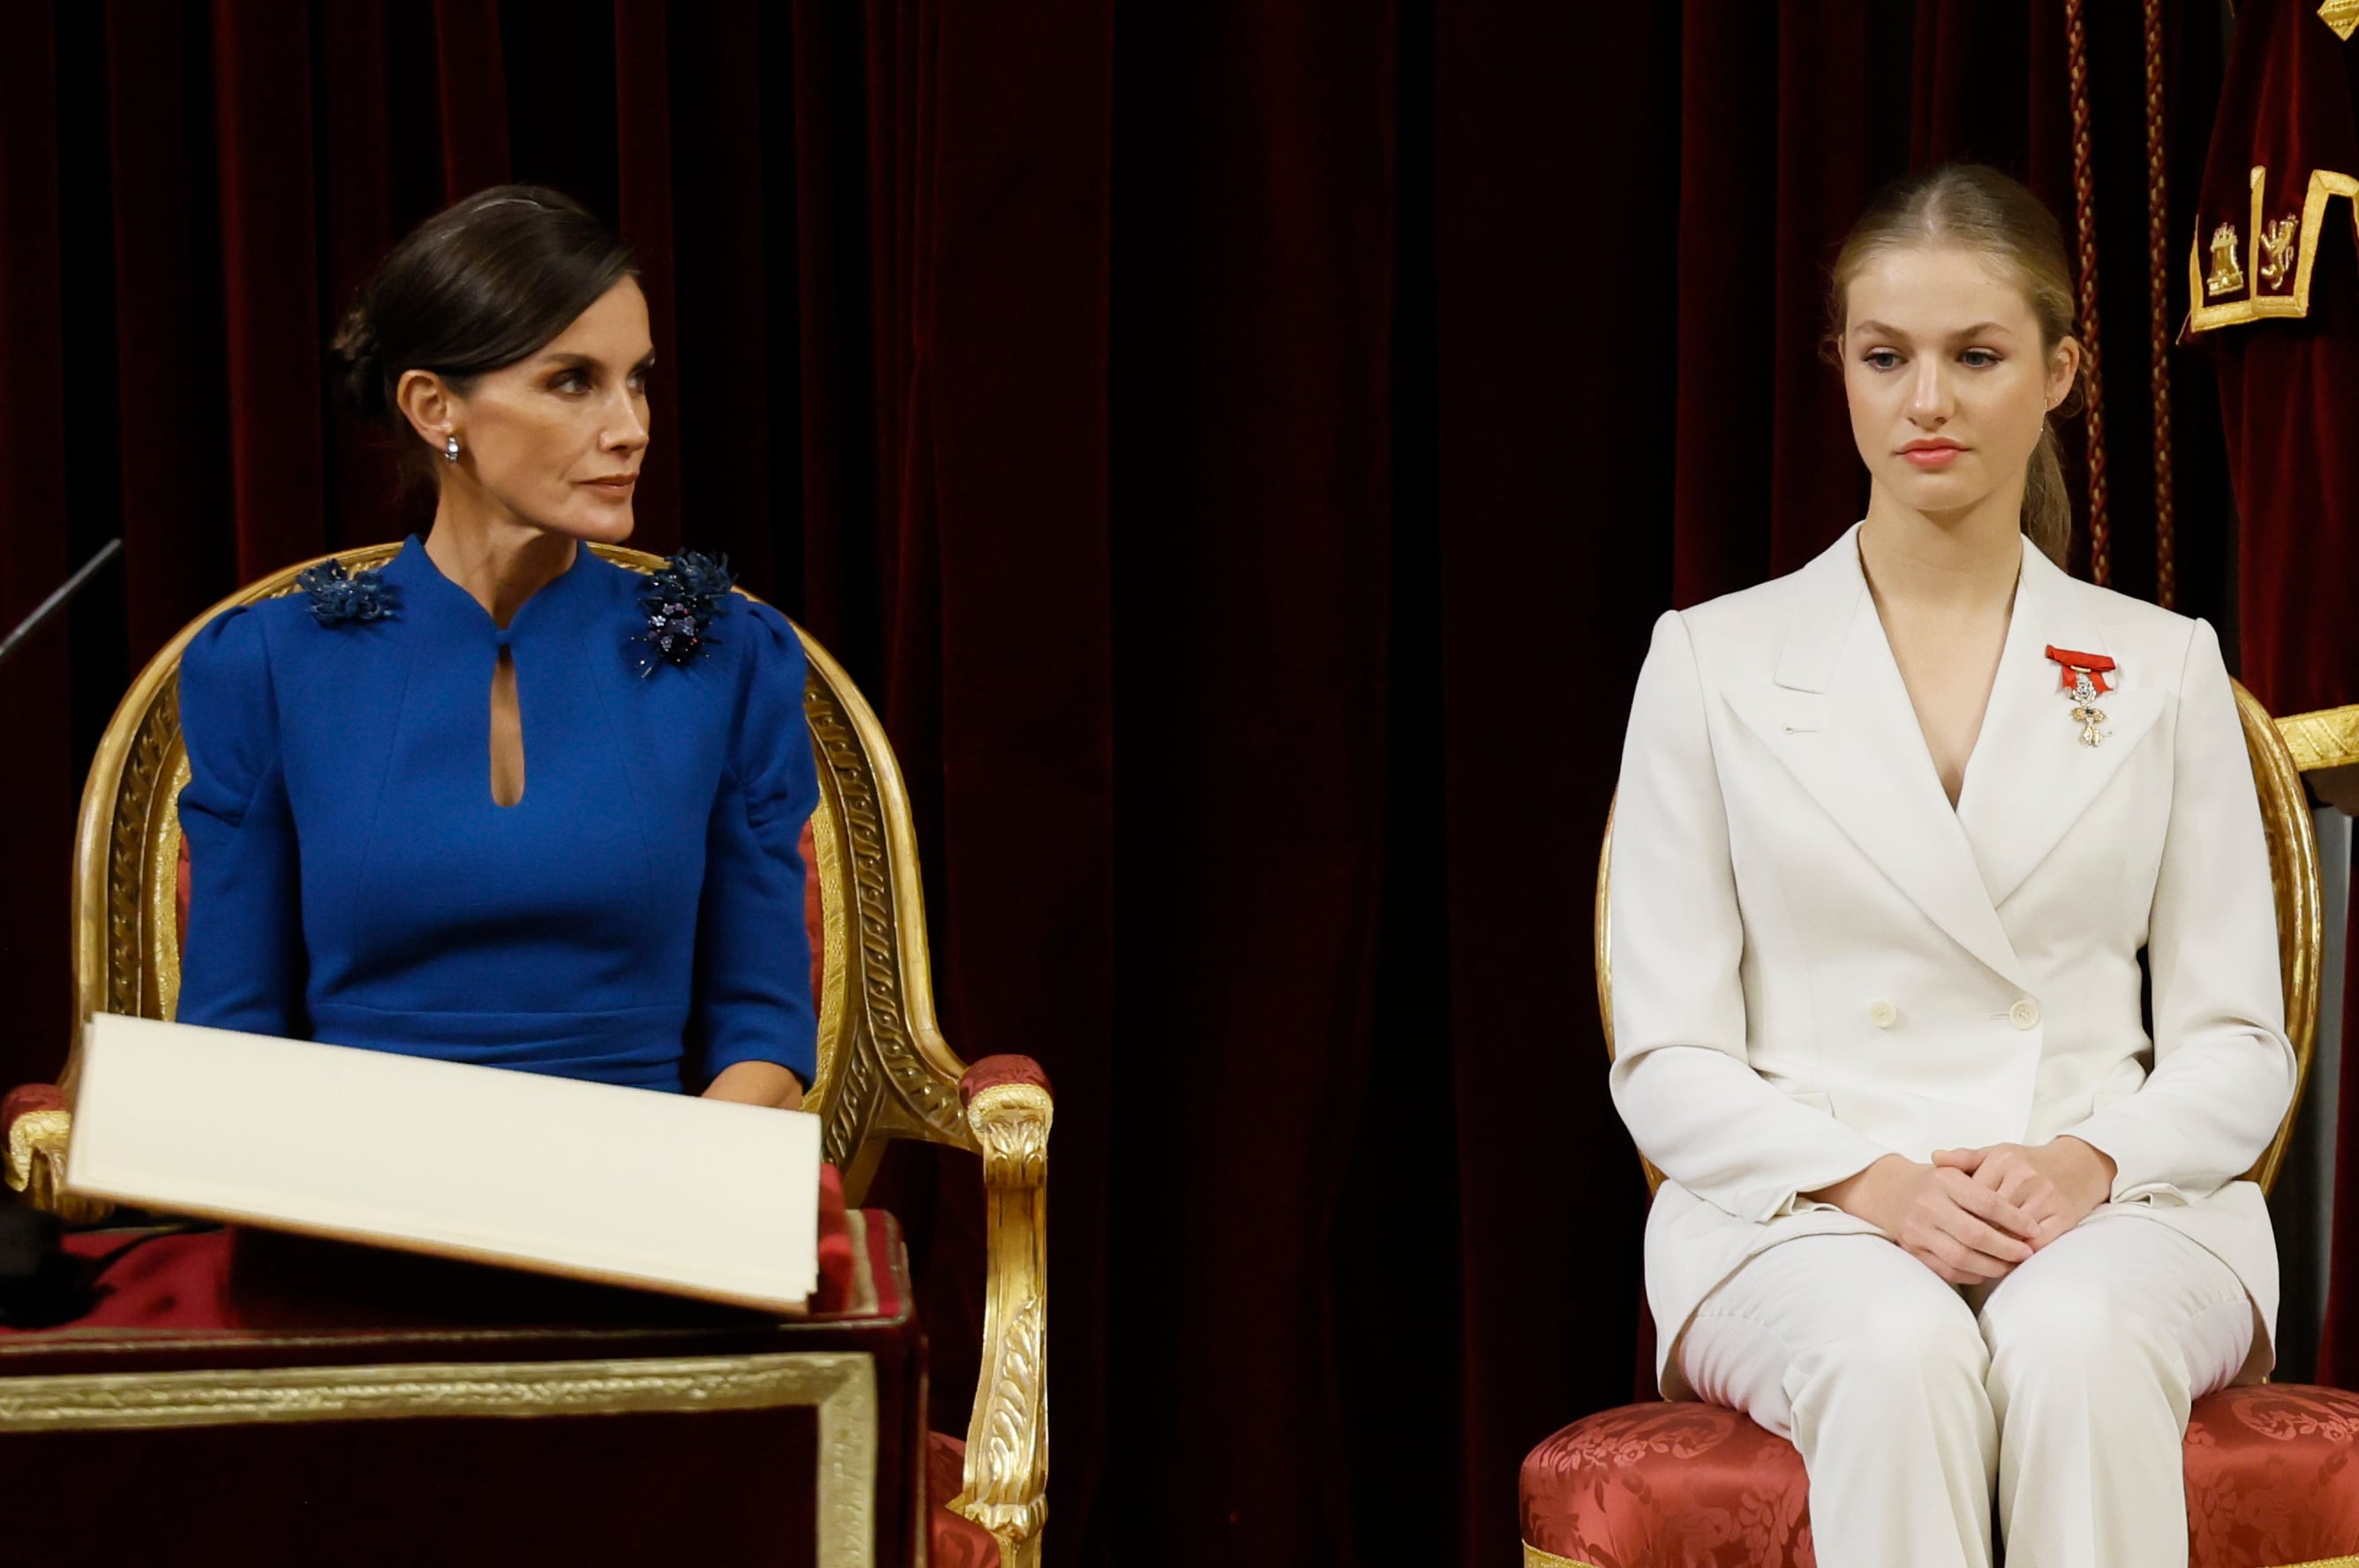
{"x": 1882, "y": 1014}
{"x": 1782, "y": 848}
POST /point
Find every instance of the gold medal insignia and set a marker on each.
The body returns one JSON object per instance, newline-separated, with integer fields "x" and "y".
{"x": 2084, "y": 678}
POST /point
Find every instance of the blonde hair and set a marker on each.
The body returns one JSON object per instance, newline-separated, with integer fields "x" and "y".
{"x": 1973, "y": 207}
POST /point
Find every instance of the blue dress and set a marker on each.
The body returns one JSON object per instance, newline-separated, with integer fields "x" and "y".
{"x": 636, "y": 918}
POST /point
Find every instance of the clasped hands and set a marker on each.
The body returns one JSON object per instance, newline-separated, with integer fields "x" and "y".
{"x": 1974, "y": 1214}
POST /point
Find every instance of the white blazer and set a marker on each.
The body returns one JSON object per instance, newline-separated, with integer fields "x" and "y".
{"x": 1817, "y": 961}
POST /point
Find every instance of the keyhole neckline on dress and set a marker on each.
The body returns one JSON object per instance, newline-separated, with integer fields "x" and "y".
{"x": 505, "y": 732}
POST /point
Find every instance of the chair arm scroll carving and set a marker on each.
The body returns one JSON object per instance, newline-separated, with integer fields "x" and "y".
{"x": 1010, "y": 1109}
{"x": 37, "y": 1125}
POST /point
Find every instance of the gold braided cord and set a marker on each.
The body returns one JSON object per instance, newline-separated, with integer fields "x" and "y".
{"x": 2157, "y": 277}
{"x": 2084, "y": 213}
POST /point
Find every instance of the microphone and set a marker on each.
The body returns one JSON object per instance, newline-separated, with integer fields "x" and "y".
{"x": 59, "y": 600}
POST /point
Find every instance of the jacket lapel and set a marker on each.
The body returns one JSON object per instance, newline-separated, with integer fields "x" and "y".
{"x": 1838, "y": 717}
{"x": 2030, "y": 778}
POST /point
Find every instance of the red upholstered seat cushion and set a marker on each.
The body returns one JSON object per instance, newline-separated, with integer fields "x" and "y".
{"x": 2271, "y": 1476}
{"x": 1658, "y": 1485}
{"x": 2271, "y": 1480}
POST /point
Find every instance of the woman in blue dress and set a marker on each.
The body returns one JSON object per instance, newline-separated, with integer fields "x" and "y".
{"x": 504, "y": 802}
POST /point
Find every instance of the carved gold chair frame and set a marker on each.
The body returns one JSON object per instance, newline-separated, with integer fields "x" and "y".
{"x": 885, "y": 1071}
{"x": 2293, "y": 877}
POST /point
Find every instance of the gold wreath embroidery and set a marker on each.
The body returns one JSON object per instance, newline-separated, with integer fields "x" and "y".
{"x": 2226, "y": 277}
{"x": 2343, "y": 15}
{"x": 2278, "y": 249}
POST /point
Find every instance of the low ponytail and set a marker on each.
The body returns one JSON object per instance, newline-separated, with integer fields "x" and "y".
{"x": 2047, "y": 504}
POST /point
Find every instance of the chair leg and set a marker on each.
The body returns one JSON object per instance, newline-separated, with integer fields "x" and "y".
{"x": 1006, "y": 1472}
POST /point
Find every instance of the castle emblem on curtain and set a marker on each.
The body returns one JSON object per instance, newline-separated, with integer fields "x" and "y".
{"x": 2226, "y": 276}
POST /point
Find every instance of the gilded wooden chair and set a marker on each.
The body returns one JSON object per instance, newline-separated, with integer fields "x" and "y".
{"x": 2270, "y": 1477}
{"x": 883, "y": 1072}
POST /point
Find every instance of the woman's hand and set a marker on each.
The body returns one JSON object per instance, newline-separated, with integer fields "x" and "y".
{"x": 2057, "y": 1183}
{"x": 757, "y": 1083}
{"x": 1962, "y": 1231}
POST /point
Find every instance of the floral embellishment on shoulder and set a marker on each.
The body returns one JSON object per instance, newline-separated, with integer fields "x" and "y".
{"x": 679, "y": 602}
{"x": 338, "y": 596}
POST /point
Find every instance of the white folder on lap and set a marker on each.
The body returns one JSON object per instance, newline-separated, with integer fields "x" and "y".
{"x": 591, "y": 1180}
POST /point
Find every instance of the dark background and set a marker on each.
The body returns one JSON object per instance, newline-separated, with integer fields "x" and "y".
{"x": 1240, "y": 447}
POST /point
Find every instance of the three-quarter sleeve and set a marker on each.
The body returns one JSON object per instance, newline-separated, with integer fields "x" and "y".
{"x": 753, "y": 951}
{"x": 242, "y": 962}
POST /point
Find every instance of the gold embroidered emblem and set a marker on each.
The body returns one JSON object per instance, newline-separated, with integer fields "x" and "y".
{"x": 2226, "y": 275}
{"x": 2277, "y": 246}
{"x": 2343, "y": 15}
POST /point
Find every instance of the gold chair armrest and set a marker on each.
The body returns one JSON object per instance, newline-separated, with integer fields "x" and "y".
{"x": 36, "y": 1166}
{"x": 1010, "y": 1109}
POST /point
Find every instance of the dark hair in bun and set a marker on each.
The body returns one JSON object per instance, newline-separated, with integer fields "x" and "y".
{"x": 476, "y": 287}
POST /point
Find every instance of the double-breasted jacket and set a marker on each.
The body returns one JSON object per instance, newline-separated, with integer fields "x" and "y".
{"x": 1818, "y": 961}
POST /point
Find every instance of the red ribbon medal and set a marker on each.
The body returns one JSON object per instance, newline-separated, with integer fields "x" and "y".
{"x": 2092, "y": 667}
{"x": 2093, "y": 664}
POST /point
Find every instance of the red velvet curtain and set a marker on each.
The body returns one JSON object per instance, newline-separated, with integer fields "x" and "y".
{"x": 1240, "y": 447}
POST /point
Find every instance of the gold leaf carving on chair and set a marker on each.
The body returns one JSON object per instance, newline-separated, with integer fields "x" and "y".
{"x": 1007, "y": 1450}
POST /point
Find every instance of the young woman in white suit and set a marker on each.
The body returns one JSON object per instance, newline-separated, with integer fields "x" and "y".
{"x": 1892, "y": 834}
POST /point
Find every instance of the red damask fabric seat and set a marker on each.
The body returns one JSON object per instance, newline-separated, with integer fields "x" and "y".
{"x": 2272, "y": 1482}
{"x": 2273, "y": 1476}
{"x": 1664, "y": 1483}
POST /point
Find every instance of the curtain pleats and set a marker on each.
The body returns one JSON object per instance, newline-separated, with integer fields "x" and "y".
{"x": 38, "y": 786}
{"x": 270, "y": 312}
{"x": 1565, "y": 343}
{"x": 469, "y": 71}
{"x": 1255, "y": 159}
{"x": 643, "y": 209}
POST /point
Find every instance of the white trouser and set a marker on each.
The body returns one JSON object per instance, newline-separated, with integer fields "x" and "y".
{"x": 2068, "y": 1388}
